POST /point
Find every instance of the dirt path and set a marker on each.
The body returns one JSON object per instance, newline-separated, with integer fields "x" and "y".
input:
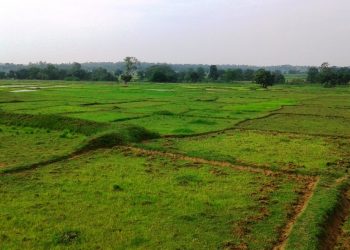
{"x": 298, "y": 211}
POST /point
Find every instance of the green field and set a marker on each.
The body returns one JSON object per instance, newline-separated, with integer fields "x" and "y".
{"x": 173, "y": 166}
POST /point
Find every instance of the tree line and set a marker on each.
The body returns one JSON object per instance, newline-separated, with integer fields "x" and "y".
{"x": 132, "y": 71}
{"x": 119, "y": 66}
{"x": 52, "y": 72}
{"x": 329, "y": 76}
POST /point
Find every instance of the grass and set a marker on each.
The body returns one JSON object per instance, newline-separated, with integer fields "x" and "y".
{"x": 178, "y": 125}
{"x": 309, "y": 229}
{"x": 52, "y": 122}
{"x": 304, "y": 124}
{"x": 24, "y": 146}
{"x": 110, "y": 197}
{"x": 67, "y": 181}
{"x": 287, "y": 152}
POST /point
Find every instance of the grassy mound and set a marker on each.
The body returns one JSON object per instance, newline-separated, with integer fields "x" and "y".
{"x": 122, "y": 136}
{"x": 53, "y": 122}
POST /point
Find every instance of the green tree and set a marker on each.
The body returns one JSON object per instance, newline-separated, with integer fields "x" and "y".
{"x": 101, "y": 74}
{"x": 161, "y": 73}
{"x": 264, "y": 78}
{"x": 201, "y": 74}
{"x": 191, "y": 76}
{"x": 76, "y": 72}
{"x": 313, "y": 75}
{"x": 2, "y": 75}
{"x": 130, "y": 67}
{"x": 278, "y": 77}
{"x": 229, "y": 75}
{"x": 327, "y": 75}
{"x": 248, "y": 75}
{"x": 213, "y": 73}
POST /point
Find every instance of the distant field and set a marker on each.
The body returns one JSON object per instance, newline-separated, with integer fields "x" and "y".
{"x": 173, "y": 166}
{"x": 296, "y": 77}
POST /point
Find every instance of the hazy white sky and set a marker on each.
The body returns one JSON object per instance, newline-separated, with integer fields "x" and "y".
{"x": 259, "y": 32}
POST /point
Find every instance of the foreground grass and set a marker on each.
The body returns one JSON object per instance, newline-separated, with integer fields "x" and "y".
{"x": 115, "y": 200}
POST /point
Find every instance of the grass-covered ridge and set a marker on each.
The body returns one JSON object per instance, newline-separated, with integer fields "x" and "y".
{"x": 52, "y": 122}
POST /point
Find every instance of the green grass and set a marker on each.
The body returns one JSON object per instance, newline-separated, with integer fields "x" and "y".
{"x": 288, "y": 152}
{"x": 158, "y": 204}
{"x": 309, "y": 228}
{"x": 319, "y": 110}
{"x": 167, "y": 125}
{"x": 304, "y": 124}
{"x": 67, "y": 182}
{"x": 24, "y": 146}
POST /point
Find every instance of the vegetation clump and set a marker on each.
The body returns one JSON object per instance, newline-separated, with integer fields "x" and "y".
{"x": 66, "y": 238}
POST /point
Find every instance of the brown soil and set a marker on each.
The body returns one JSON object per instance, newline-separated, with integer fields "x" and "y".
{"x": 343, "y": 242}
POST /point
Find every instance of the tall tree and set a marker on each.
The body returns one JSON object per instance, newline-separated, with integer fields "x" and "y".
{"x": 201, "y": 73}
{"x": 213, "y": 72}
{"x": 130, "y": 67}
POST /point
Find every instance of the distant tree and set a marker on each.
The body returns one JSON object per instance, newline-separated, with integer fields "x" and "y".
{"x": 213, "y": 73}
{"x": 239, "y": 75}
{"x": 181, "y": 76}
{"x": 229, "y": 75}
{"x": 141, "y": 74}
{"x": 2, "y": 75}
{"x": 52, "y": 72}
{"x": 190, "y": 76}
{"x": 201, "y": 74}
{"x": 118, "y": 72}
{"x": 101, "y": 74}
{"x": 327, "y": 75}
{"x": 194, "y": 77}
{"x": 161, "y": 73}
{"x": 313, "y": 75}
{"x": 34, "y": 72}
{"x": 264, "y": 78}
{"x": 278, "y": 77}
{"x": 343, "y": 75}
{"x": 11, "y": 74}
{"x": 22, "y": 74}
{"x": 130, "y": 67}
{"x": 248, "y": 75}
{"x": 76, "y": 72}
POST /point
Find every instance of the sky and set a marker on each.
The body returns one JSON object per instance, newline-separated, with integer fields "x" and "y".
{"x": 251, "y": 32}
